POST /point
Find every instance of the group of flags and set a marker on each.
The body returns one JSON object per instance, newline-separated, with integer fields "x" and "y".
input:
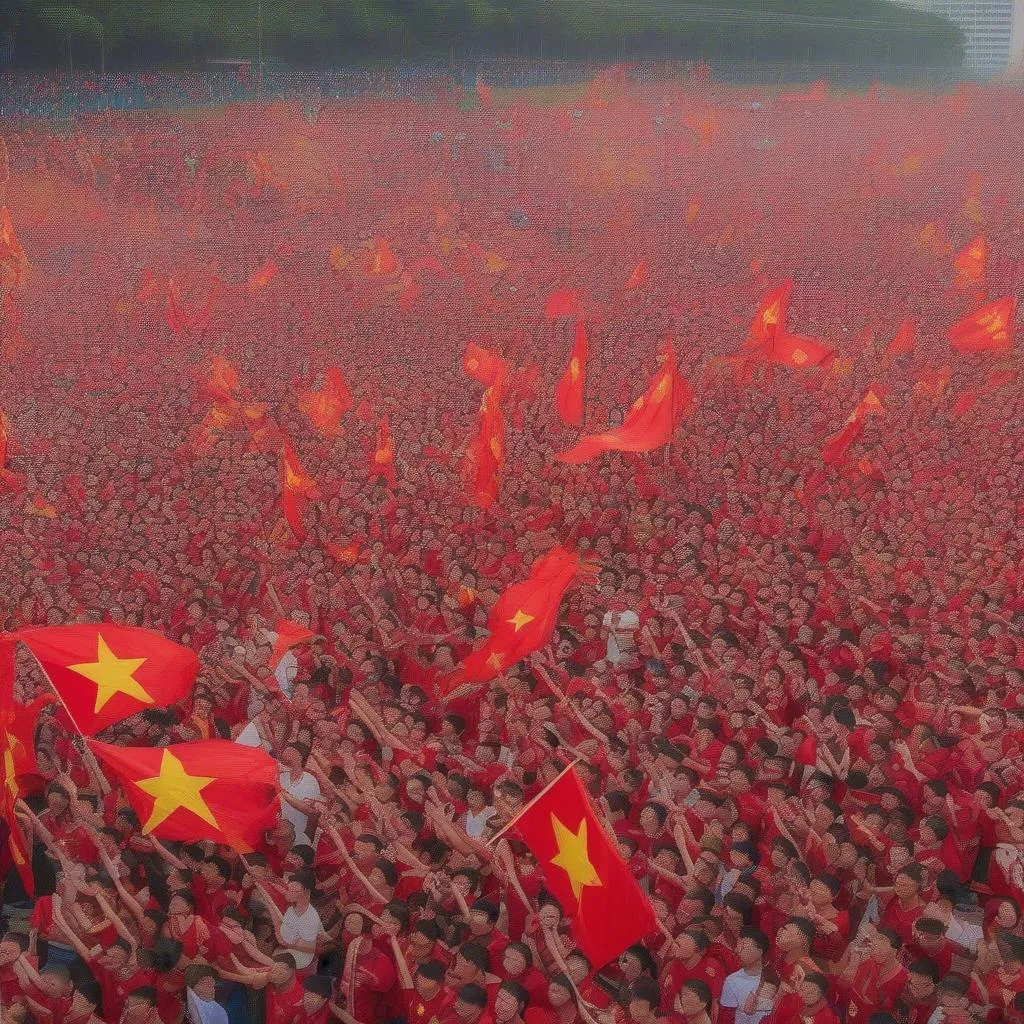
{"x": 104, "y": 673}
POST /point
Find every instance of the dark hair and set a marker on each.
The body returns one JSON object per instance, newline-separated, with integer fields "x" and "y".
{"x": 473, "y": 994}
{"x": 818, "y": 980}
{"x": 486, "y": 907}
{"x": 476, "y": 953}
{"x": 319, "y": 984}
{"x": 926, "y": 968}
{"x": 646, "y": 989}
{"x": 804, "y": 926}
{"x": 432, "y": 970}
{"x": 893, "y": 937}
{"x": 700, "y": 990}
{"x": 305, "y": 878}
{"x": 756, "y": 936}
{"x": 144, "y": 992}
{"x": 514, "y": 989}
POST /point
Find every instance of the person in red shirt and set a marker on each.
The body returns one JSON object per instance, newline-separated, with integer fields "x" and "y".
{"x": 919, "y": 996}
{"x": 315, "y": 1007}
{"x": 814, "y": 1007}
{"x": 873, "y": 978}
{"x": 691, "y": 961}
{"x": 283, "y": 992}
{"x": 427, "y": 1001}
{"x": 469, "y": 1006}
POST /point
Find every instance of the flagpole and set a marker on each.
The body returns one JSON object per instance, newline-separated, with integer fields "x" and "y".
{"x": 523, "y": 810}
{"x": 63, "y": 703}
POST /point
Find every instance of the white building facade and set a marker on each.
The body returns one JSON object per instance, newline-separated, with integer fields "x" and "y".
{"x": 993, "y": 31}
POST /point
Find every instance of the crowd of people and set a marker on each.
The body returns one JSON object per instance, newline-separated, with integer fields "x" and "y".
{"x": 794, "y": 691}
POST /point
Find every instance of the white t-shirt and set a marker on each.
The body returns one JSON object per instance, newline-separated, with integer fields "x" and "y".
{"x": 250, "y": 737}
{"x": 286, "y": 671}
{"x": 203, "y": 1011}
{"x": 475, "y": 822}
{"x": 621, "y": 626}
{"x": 737, "y": 987}
{"x": 304, "y": 928}
{"x": 307, "y": 788}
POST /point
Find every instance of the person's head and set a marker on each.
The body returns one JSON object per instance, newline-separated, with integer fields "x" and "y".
{"x": 483, "y": 916}
{"x": 885, "y": 945}
{"x": 12, "y": 945}
{"x": 752, "y": 947}
{"x": 510, "y": 1002}
{"x": 951, "y": 992}
{"x": 55, "y": 981}
{"x": 560, "y": 991}
{"x": 694, "y": 999}
{"x": 922, "y": 977}
{"x": 316, "y": 991}
{"x": 301, "y": 886}
{"x": 644, "y": 999}
{"x": 516, "y": 959}
{"x": 470, "y": 1002}
{"x": 429, "y": 978}
{"x": 795, "y": 936}
{"x": 203, "y": 981}
{"x": 472, "y": 961}
{"x": 282, "y": 970}
{"x": 139, "y": 1005}
{"x": 813, "y": 989}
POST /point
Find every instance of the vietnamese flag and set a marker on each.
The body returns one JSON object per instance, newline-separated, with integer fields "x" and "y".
{"x": 771, "y": 315}
{"x": 487, "y": 453}
{"x": 12, "y": 255}
{"x": 999, "y": 378}
{"x": 325, "y": 408}
{"x": 289, "y": 634}
{"x": 963, "y": 404}
{"x": 798, "y": 351}
{"x": 179, "y": 320}
{"x": 650, "y": 422}
{"x": 903, "y": 342}
{"x": 562, "y": 304}
{"x": 569, "y": 393}
{"x": 987, "y": 329}
{"x": 222, "y": 382}
{"x": 104, "y": 672}
{"x": 383, "y": 463}
{"x": 296, "y": 487}
{"x": 582, "y": 868}
{"x": 262, "y": 277}
{"x": 483, "y": 364}
{"x": 639, "y": 276}
{"x": 522, "y": 620}
{"x": 971, "y": 261}
{"x": 381, "y": 260}
{"x": 835, "y": 448}
{"x": 211, "y": 789}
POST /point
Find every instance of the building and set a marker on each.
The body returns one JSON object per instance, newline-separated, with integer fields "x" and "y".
{"x": 993, "y": 31}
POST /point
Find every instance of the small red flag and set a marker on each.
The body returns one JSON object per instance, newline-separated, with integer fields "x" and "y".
{"x": 903, "y": 342}
{"x": 583, "y": 870}
{"x": 297, "y": 486}
{"x": 262, "y": 277}
{"x": 212, "y": 789}
{"x": 325, "y": 408}
{"x": 382, "y": 260}
{"x": 963, "y": 404}
{"x": 289, "y": 634}
{"x": 971, "y": 261}
{"x": 522, "y": 620}
{"x": 486, "y": 454}
{"x": 562, "y": 304}
{"x": 771, "y": 315}
{"x": 483, "y": 364}
{"x": 650, "y": 422}
{"x": 182, "y": 321}
{"x": 639, "y": 276}
{"x": 383, "y": 462}
{"x": 569, "y": 393}
{"x": 988, "y": 329}
{"x": 104, "y": 672}
{"x": 799, "y": 352}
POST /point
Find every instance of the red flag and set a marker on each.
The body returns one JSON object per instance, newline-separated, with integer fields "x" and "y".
{"x": 650, "y": 421}
{"x": 13, "y": 260}
{"x": 835, "y": 448}
{"x": 262, "y": 277}
{"x": 522, "y": 620}
{"x": 562, "y": 304}
{"x": 289, "y": 634}
{"x": 381, "y": 260}
{"x": 569, "y": 393}
{"x": 213, "y": 789}
{"x": 383, "y": 463}
{"x": 963, "y": 404}
{"x": 179, "y": 319}
{"x": 12, "y": 481}
{"x": 487, "y": 453}
{"x": 483, "y": 364}
{"x": 325, "y": 407}
{"x": 799, "y": 352}
{"x": 999, "y": 378}
{"x": 639, "y": 276}
{"x": 771, "y": 315}
{"x": 297, "y": 486}
{"x": 485, "y": 93}
{"x": 583, "y": 870}
{"x": 988, "y": 329}
{"x": 14, "y": 750}
{"x": 903, "y": 342}
{"x": 222, "y": 383}
{"x": 970, "y": 262}
{"x": 104, "y": 672}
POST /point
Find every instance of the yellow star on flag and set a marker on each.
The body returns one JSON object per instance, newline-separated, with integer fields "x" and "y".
{"x": 573, "y": 857}
{"x": 174, "y": 788}
{"x": 574, "y": 369}
{"x": 520, "y": 619}
{"x": 800, "y": 356}
{"x": 495, "y": 661}
{"x": 112, "y": 675}
{"x": 771, "y": 315}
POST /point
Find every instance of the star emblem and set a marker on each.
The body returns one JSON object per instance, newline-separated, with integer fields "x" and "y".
{"x": 799, "y": 356}
{"x": 112, "y": 675}
{"x": 573, "y": 858}
{"x": 520, "y": 619}
{"x": 174, "y": 788}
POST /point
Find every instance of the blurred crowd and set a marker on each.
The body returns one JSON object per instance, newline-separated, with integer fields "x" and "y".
{"x": 795, "y": 693}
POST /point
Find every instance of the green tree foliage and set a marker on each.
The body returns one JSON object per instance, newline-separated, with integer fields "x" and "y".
{"x": 324, "y": 32}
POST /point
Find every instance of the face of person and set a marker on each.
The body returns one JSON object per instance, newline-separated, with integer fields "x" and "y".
{"x": 513, "y": 962}
{"x": 506, "y": 1008}
{"x": 206, "y": 989}
{"x": 558, "y": 995}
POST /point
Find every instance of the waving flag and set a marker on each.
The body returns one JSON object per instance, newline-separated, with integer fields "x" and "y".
{"x": 383, "y": 461}
{"x": 212, "y": 789}
{"x": 179, "y": 319}
{"x": 798, "y": 351}
{"x": 569, "y": 393}
{"x": 325, "y": 408}
{"x": 483, "y": 364}
{"x": 771, "y": 315}
{"x": 222, "y": 383}
{"x": 262, "y": 277}
{"x": 836, "y": 447}
{"x": 562, "y": 304}
{"x": 903, "y": 342}
{"x": 522, "y": 620}
{"x": 988, "y": 329}
{"x": 382, "y": 260}
{"x": 639, "y": 276}
{"x": 297, "y": 487}
{"x": 487, "y": 452}
{"x": 971, "y": 261}
{"x": 650, "y": 422}
{"x": 583, "y": 869}
{"x": 13, "y": 261}
{"x": 104, "y": 672}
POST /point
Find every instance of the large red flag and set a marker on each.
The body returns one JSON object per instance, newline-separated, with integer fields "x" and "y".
{"x": 988, "y": 329}
{"x": 903, "y": 342}
{"x": 13, "y": 751}
{"x": 569, "y": 393}
{"x": 289, "y": 634}
{"x": 835, "y": 448}
{"x": 297, "y": 486}
{"x": 798, "y": 351}
{"x": 325, "y": 407}
{"x": 650, "y": 421}
{"x": 13, "y": 261}
{"x": 104, "y": 672}
{"x": 522, "y": 620}
{"x": 212, "y": 789}
{"x": 583, "y": 870}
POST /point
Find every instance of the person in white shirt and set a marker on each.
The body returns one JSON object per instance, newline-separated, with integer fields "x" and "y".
{"x": 748, "y": 991}
{"x": 203, "y": 1007}
{"x": 300, "y": 928}
{"x": 477, "y": 812}
{"x": 300, "y": 792}
{"x": 621, "y": 624}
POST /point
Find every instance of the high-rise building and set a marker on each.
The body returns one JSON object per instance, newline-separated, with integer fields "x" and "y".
{"x": 993, "y": 30}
